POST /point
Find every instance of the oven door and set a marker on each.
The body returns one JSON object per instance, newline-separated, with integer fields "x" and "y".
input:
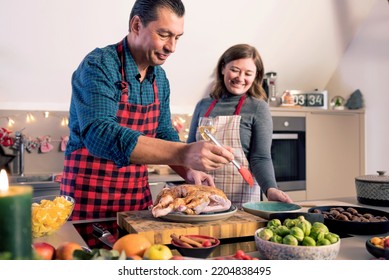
{"x": 288, "y": 154}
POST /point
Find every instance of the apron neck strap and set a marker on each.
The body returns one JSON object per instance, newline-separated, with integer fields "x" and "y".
{"x": 210, "y": 108}
{"x": 123, "y": 83}
{"x": 240, "y": 104}
{"x": 237, "y": 110}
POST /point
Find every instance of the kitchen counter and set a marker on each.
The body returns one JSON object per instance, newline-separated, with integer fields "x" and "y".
{"x": 351, "y": 248}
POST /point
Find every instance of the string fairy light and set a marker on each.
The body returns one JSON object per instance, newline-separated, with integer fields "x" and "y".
{"x": 12, "y": 119}
{"x": 30, "y": 118}
{"x": 11, "y": 122}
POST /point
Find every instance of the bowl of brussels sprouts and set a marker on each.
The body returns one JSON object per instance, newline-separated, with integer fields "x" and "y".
{"x": 296, "y": 239}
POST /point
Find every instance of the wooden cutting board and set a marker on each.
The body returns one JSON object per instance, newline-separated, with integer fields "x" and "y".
{"x": 240, "y": 224}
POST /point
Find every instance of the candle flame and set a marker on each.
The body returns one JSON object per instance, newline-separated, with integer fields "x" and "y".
{"x": 3, "y": 181}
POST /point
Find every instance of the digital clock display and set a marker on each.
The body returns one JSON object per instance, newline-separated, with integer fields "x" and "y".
{"x": 311, "y": 99}
{"x": 315, "y": 99}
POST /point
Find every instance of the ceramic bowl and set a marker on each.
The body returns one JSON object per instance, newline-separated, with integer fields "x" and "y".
{"x": 377, "y": 251}
{"x": 196, "y": 252}
{"x": 263, "y": 209}
{"x": 275, "y": 251}
{"x": 352, "y": 227}
{"x": 50, "y": 213}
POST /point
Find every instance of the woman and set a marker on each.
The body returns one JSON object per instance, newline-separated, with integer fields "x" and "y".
{"x": 243, "y": 121}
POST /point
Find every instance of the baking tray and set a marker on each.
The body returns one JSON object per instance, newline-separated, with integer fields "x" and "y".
{"x": 357, "y": 228}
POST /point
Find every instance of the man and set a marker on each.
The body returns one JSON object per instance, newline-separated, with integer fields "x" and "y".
{"x": 120, "y": 119}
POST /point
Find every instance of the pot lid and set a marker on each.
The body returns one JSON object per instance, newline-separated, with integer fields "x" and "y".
{"x": 380, "y": 178}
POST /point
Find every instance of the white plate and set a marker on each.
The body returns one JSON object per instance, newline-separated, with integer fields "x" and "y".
{"x": 203, "y": 217}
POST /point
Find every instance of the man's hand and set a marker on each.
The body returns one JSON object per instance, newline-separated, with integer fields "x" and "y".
{"x": 206, "y": 156}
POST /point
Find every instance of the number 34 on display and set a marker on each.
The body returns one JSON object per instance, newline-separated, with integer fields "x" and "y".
{"x": 316, "y": 99}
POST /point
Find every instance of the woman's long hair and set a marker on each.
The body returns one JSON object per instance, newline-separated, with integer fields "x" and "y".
{"x": 234, "y": 53}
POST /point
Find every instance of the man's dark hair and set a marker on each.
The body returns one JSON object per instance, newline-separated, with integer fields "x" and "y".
{"x": 147, "y": 9}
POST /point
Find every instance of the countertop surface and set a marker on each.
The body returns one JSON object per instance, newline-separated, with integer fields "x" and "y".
{"x": 351, "y": 248}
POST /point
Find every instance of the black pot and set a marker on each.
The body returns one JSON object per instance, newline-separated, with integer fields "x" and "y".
{"x": 373, "y": 189}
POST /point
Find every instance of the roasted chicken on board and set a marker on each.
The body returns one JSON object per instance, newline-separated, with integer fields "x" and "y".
{"x": 190, "y": 199}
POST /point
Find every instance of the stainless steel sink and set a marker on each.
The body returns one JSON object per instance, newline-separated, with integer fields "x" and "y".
{"x": 33, "y": 178}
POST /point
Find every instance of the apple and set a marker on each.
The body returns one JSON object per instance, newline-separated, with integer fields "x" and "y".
{"x": 43, "y": 250}
{"x": 158, "y": 252}
{"x": 386, "y": 242}
{"x": 176, "y": 258}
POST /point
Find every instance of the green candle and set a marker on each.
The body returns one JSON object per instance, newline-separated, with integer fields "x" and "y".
{"x": 15, "y": 220}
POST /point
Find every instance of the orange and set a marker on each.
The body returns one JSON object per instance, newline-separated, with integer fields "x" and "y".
{"x": 65, "y": 250}
{"x": 132, "y": 244}
{"x": 135, "y": 257}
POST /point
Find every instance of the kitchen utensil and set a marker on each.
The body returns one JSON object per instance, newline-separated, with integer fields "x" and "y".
{"x": 265, "y": 208}
{"x": 49, "y": 213}
{"x": 352, "y": 227}
{"x": 373, "y": 189}
{"x": 246, "y": 174}
{"x": 241, "y": 224}
{"x": 269, "y": 250}
{"x": 104, "y": 235}
{"x": 271, "y": 78}
{"x": 202, "y": 217}
{"x": 376, "y": 251}
{"x": 196, "y": 252}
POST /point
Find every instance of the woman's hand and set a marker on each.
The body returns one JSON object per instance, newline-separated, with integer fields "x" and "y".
{"x": 199, "y": 178}
{"x": 274, "y": 194}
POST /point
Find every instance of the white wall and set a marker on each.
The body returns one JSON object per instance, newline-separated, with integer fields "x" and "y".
{"x": 310, "y": 44}
{"x": 365, "y": 66}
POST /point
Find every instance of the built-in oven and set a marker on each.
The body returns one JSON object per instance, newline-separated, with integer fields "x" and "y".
{"x": 288, "y": 152}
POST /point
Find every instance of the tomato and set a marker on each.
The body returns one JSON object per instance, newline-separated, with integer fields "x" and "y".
{"x": 247, "y": 257}
{"x": 206, "y": 243}
{"x": 239, "y": 254}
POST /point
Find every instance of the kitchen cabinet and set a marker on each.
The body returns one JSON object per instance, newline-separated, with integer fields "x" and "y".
{"x": 335, "y": 153}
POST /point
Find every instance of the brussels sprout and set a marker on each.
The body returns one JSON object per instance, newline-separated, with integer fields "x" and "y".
{"x": 290, "y": 240}
{"x": 301, "y": 218}
{"x": 308, "y": 241}
{"x": 321, "y": 226}
{"x": 274, "y": 222}
{"x": 266, "y": 234}
{"x": 290, "y": 222}
{"x": 323, "y": 242}
{"x": 318, "y": 231}
{"x": 282, "y": 231}
{"x": 272, "y": 228}
{"x": 298, "y": 233}
{"x": 276, "y": 238}
{"x": 305, "y": 226}
{"x": 332, "y": 237}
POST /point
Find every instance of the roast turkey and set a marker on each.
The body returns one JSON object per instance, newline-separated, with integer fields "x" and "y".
{"x": 190, "y": 199}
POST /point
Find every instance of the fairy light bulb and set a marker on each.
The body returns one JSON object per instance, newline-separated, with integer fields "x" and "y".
{"x": 11, "y": 122}
{"x": 30, "y": 118}
{"x": 46, "y": 114}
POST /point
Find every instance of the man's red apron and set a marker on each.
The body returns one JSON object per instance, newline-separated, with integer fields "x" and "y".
{"x": 228, "y": 177}
{"x": 98, "y": 186}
